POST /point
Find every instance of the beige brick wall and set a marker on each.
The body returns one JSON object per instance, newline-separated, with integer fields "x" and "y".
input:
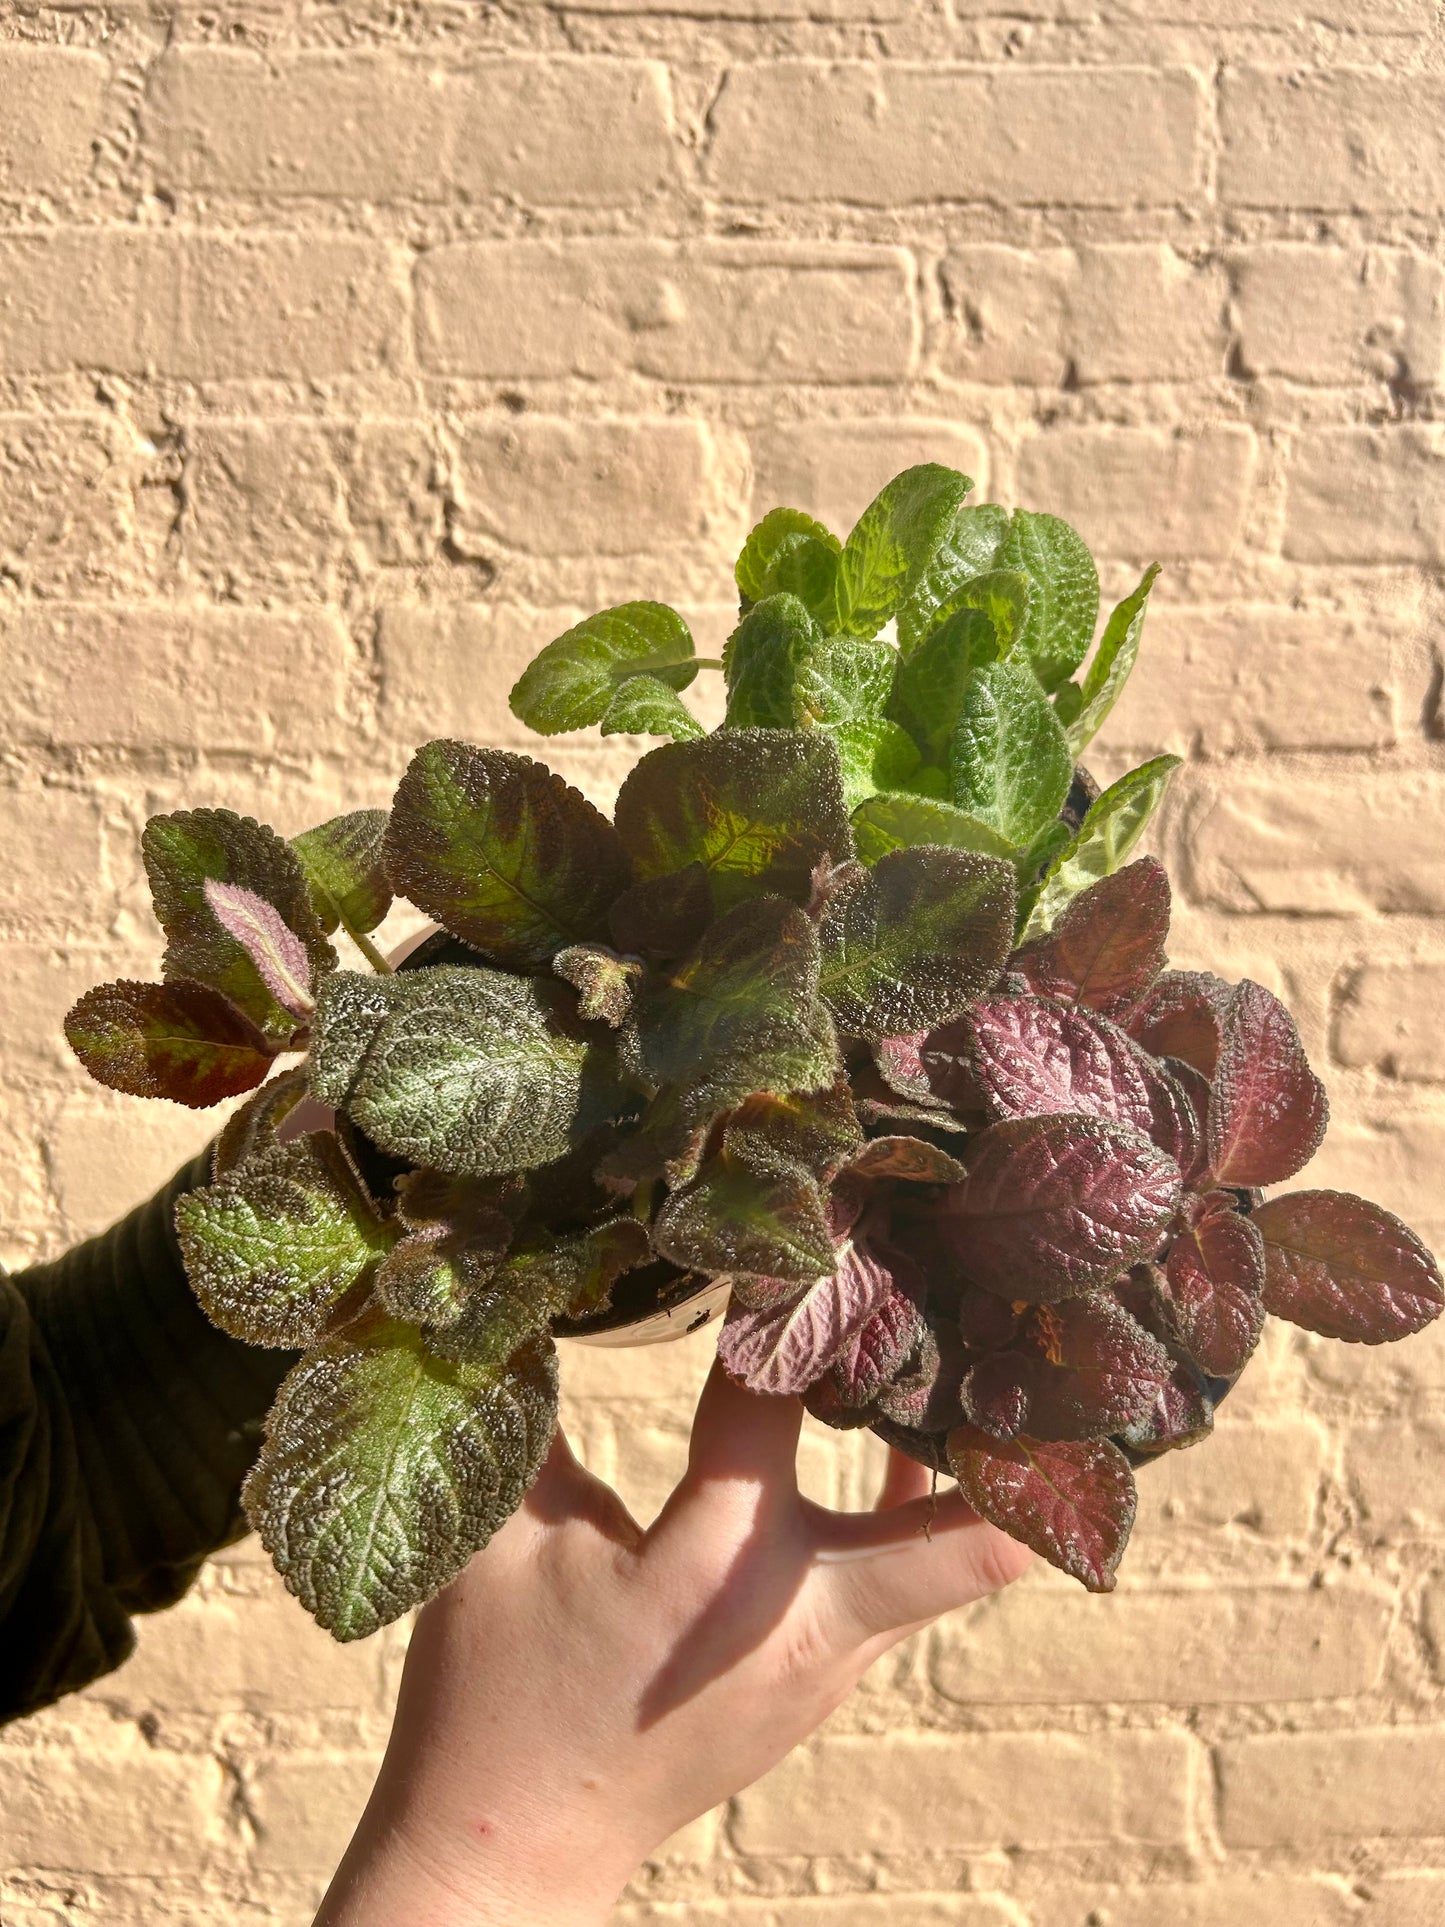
{"x": 346, "y": 353}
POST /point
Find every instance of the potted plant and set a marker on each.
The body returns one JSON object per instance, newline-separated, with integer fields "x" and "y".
{"x": 854, "y": 1018}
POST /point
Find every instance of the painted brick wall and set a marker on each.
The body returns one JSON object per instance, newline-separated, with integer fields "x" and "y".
{"x": 345, "y": 354}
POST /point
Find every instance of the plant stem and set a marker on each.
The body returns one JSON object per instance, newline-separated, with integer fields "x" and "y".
{"x": 368, "y": 950}
{"x": 708, "y": 662}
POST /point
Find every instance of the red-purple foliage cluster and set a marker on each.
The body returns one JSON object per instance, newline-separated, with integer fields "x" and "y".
{"x": 1059, "y": 1254}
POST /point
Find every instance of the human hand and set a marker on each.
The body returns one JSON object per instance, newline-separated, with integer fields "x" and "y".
{"x": 585, "y": 1688}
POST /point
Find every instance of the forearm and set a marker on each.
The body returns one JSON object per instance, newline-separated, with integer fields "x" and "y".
{"x": 134, "y": 1422}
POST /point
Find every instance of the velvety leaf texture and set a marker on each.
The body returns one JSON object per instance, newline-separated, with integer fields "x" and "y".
{"x": 605, "y": 983}
{"x": 759, "y": 809}
{"x": 471, "y": 1071}
{"x": 1054, "y": 1206}
{"x": 968, "y": 548}
{"x": 345, "y": 865}
{"x": 1343, "y": 1267}
{"x": 1032, "y": 1057}
{"x": 1269, "y": 1110}
{"x": 843, "y": 686}
{"x": 788, "y": 543}
{"x": 761, "y": 663}
{"x": 191, "y": 849}
{"x": 1079, "y": 1370}
{"x": 1072, "y": 1503}
{"x": 277, "y": 952}
{"x": 647, "y": 706}
{"x": 816, "y": 1129}
{"x": 1106, "y": 839}
{"x": 502, "y": 853}
{"x": 272, "y": 1248}
{"x": 933, "y": 683}
{"x": 893, "y": 545}
{"x": 785, "y": 1349}
{"x": 895, "y": 822}
{"x": 1064, "y": 604}
{"x": 1108, "y": 946}
{"x": 1183, "y": 1017}
{"x": 573, "y": 681}
{"x": 385, "y": 1468}
{"x": 176, "y": 1040}
{"x": 732, "y": 1218}
{"x": 913, "y": 1160}
{"x": 1113, "y": 661}
{"x": 873, "y": 1357}
{"x": 914, "y": 940}
{"x": 547, "y": 1279}
{"x": 253, "y": 1126}
{"x": 1214, "y": 1281}
{"x": 1009, "y": 763}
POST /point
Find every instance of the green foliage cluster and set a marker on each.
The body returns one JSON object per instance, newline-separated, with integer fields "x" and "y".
{"x": 856, "y": 1004}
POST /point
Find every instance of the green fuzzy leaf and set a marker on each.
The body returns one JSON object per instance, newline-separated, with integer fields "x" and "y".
{"x": 272, "y": 1247}
{"x": 738, "y": 1017}
{"x": 1003, "y": 595}
{"x": 503, "y": 853}
{"x": 788, "y": 551}
{"x": 191, "y": 855}
{"x": 733, "y": 1218}
{"x": 571, "y": 683}
{"x": 933, "y": 682}
{"x": 911, "y": 942}
{"x": 759, "y": 809}
{"x": 456, "y": 1237}
{"x": 647, "y": 706}
{"x": 968, "y": 549}
{"x": 253, "y": 1126}
{"x": 605, "y": 983}
{"x": 1107, "y": 674}
{"x": 761, "y": 660}
{"x": 1068, "y": 700}
{"x": 175, "y": 1040}
{"x": 1009, "y": 760}
{"x": 473, "y": 1072}
{"x": 1105, "y": 840}
{"x": 893, "y": 545}
{"x": 887, "y": 823}
{"x": 1064, "y": 603}
{"x": 385, "y": 1468}
{"x": 843, "y": 686}
{"x": 346, "y": 869}
{"x": 817, "y": 1129}
{"x": 550, "y": 1278}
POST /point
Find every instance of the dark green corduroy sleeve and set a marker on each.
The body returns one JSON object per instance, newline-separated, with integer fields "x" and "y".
{"x": 127, "y": 1423}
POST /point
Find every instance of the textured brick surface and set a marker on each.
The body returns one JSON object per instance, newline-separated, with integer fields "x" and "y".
{"x": 347, "y": 356}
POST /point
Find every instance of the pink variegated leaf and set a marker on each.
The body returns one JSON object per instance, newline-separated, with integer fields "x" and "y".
{"x": 1181, "y": 1414}
{"x": 1269, "y": 1110}
{"x": 1079, "y": 1370}
{"x": 1071, "y": 1503}
{"x": 926, "y": 1395}
{"x": 268, "y": 940}
{"x": 1108, "y": 946}
{"x": 1054, "y": 1206}
{"x": 1183, "y": 1016}
{"x": 1214, "y": 1284}
{"x": 901, "y": 1068}
{"x": 1343, "y": 1267}
{"x": 783, "y": 1350}
{"x": 1033, "y": 1057}
{"x": 873, "y": 1356}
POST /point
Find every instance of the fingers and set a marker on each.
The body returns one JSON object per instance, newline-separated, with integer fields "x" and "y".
{"x": 881, "y": 1572}
{"x": 564, "y": 1492}
{"x": 903, "y": 1479}
{"x": 743, "y": 1454}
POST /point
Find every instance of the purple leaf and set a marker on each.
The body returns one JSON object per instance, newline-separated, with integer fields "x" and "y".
{"x": 277, "y": 952}
{"x": 1034, "y": 1058}
{"x": 1183, "y": 1016}
{"x": 986, "y": 1322}
{"x": 1269, "y": 1110}
{"x": 873, "y": 1356}
{"x": 1179, "y": 1095}
{"x": 177, "y": 1040}
{"x": 1213, "y": 1283}
{"x": 1179, "y": 1415}
{"x": 1071, "y": 1503}
{"x": 1079, "y": 1370}
{"x": 784, "y": 1349}
{"x": 1346, "y": 1268}
{"x": 1108, "y": 946}
{"x": 926, "y": 1394}
{"x": 1054, "y": 1206}
{"x": 901, "y": 1066}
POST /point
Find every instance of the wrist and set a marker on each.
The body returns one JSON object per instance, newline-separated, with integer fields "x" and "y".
{"x": 405, "y": 1864}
